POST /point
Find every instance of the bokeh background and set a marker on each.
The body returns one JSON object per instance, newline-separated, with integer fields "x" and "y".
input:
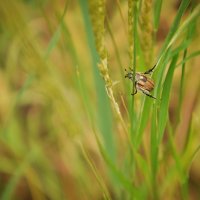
{"x": 60, "y": 134}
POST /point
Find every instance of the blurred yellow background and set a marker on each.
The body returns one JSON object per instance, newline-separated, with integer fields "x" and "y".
{"x": 52, "y": 99}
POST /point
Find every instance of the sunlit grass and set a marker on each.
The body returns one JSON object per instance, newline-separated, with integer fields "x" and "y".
{"x": 70, "y": 128}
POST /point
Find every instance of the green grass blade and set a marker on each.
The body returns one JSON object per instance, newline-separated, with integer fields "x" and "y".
{"x": 184, "y": 27}
{"x": 164, "y": 51}
{"x": 167, "y": 44}
{"x": 80, "y": 78}
{"x": 56, "y": 36}
{"x": 154, "y": 152}
{"x": 97, "y": 175}
{"x": 163, "y": 115}
{"x": 104, "y": 110}
{"x": 191, "y": 31}
{"x": 179, "y": 167}
{"x": 174, "y": 27}
{"x": 182, "y": 47}
{"x": 118, "y": 175}
{"x": 186, "y": 59}
{"x": 157, "y": 12}
{"x": 172, "y": 35}
{"x": 175, "y": 32}
{"x": 53, "y": 42}
{"x": 116, "y": 51}
{"x": 145, "y": 111}
{"x": 193, "y": 157}
{"x": 135, "y": 47}
{"x": 143, "y": 119}
{"x": 17, "y": 174}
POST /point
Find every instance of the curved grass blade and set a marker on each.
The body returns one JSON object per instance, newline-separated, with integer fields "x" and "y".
{"x": 97, "y": 175}
{"x": 186, "y": 59}
{"x": 163, "y": 115}
{"x": 157, "y": 11}
{"x": 56, "y": 36}
{"x": 12, "y": 184}
{"x": 162, "y": 57}
{"x": 103, "y": 106}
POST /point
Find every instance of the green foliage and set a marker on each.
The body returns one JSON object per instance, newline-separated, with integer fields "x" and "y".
{"x": 70, "y": 128}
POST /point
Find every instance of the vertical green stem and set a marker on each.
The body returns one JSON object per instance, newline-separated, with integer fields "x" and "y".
{"x": 134, "y": 35}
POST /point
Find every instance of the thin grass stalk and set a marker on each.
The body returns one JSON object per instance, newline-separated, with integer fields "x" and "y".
{"x": 17, "y": 174}
{"x": 127, "y": 184}
{"x": 163, "y": 115}
{"x": 122, "y": 17}
{"x": 179, "y": 166}
{"x": 153, "y": 153}
{"x": 192, "y": 158}
{"x": 157, "y": 12}
{"x": 175, "y": 154}
{"x": 146, "y": 41}
{"x": 56, "y": 36}
{"x": 180, "y": 100}
{"x": 171, "y": 38}
{"x": 175, "y": 32}
{"x": 135, "y": 22}
{"x": 79, "y": 77}
{"x": 85, "y": 98}
{"x": 157, "y": 133}
{"x": 132, "y": 34}
{"x": 97, "y": 175}
{"x": 116, "y": 50}
{"x": 130, "y": 31}
{"x": 192, "y": 55}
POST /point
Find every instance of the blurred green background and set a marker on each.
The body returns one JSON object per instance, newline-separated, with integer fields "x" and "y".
{"x": 67, "y": 118}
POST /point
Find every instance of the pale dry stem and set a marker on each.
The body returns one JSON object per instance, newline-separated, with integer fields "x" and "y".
{"x": 97, "y": 11}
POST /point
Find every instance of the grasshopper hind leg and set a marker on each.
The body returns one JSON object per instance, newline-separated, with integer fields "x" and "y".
{"x": 148, "y": 94}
